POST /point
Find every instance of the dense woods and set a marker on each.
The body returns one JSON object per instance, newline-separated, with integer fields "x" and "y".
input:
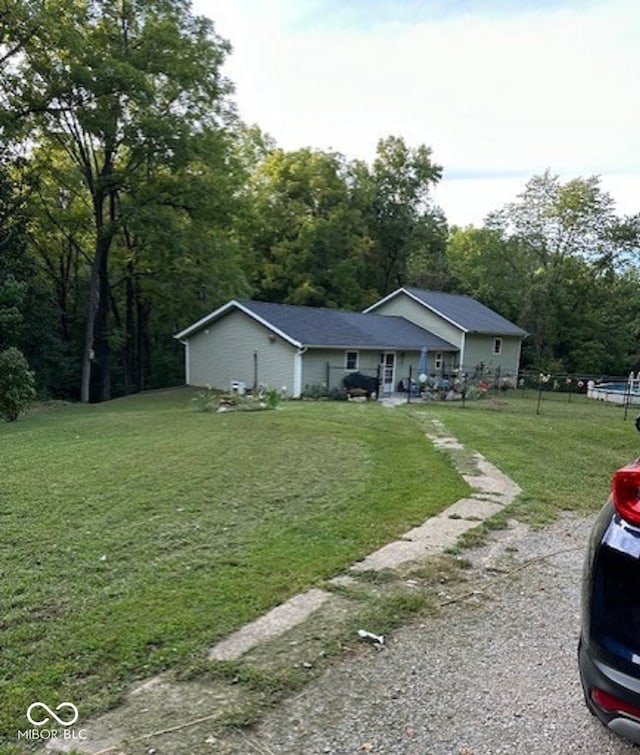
{"x": 133, "y": 199}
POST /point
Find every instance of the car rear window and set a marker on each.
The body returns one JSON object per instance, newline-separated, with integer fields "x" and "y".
{"x": 616, "y": 604}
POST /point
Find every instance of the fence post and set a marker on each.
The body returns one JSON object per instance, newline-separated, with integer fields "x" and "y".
{"x": 539, "y": 393}
{"x": 627, "y": 400}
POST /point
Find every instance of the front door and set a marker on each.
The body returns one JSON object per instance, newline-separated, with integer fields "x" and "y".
{"x": 388, "y": 371}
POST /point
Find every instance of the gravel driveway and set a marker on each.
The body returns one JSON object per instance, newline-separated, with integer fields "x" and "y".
{"x": 494, "y": 674}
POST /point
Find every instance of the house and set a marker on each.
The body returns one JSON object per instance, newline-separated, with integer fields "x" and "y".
{"x": 484, "y": 340}
{"x": 249, "y": 343}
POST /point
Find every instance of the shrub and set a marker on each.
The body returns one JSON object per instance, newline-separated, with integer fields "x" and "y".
{"x": 315, "y": 391}
{"x": 17, "y": 384}
{"x": 269, "y": 398}
{"x": 205, "y": 399}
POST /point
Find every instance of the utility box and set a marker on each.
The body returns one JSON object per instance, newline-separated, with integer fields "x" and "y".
{"x": 237, "y": 386}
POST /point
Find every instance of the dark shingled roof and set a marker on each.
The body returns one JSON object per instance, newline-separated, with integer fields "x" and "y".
{"x": 470, "y": 315}
{"x": 315, "y": 326}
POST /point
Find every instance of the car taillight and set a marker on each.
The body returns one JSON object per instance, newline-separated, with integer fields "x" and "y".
{"x": 612, "y": 704}
{"x": 625, "y": 491}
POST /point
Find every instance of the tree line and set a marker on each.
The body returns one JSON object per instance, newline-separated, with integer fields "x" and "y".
{"x": 133, "y": 200}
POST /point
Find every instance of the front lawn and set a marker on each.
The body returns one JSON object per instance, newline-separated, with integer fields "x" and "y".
{"x": 136, "y": 533}
{"x": 562, "y": 458}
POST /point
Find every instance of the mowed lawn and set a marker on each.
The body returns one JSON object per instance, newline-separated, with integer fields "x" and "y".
{"x": 136, "y": 533}
{"x": 562, "y": 458}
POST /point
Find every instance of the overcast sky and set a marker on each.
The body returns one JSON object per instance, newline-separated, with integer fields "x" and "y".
{"x": 499, "y": 89}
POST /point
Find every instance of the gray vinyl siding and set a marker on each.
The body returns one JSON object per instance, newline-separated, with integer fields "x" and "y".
{"x": 314, "y": 370}
{"x": 404, "y": 306}
{"x": 224, "y": 352}
{"x": 479, "y": 348}
{"x": 315, "y": 361}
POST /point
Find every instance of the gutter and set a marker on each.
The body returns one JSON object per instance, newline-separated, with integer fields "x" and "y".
{"x": 297, "y": 371}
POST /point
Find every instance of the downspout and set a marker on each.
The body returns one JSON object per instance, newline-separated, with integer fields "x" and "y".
{"x": 517, "y": 370}
{"x": 187, "y": 370}
{"x": 297, "y": 372}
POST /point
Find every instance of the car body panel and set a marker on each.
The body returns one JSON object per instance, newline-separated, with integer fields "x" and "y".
{"x": 609, "y": 648}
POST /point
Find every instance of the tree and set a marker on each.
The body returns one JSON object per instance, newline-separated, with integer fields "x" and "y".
{"x": 561, "y": 236}
{"x": 15, "y": 270}
{"x": 120, "y": 88}
{"x": 405, "y": 228}
{"x": 484, "y": 264}
{"x": 177, "y": 256}
{"x": 558, "y": 220}
{"x": 307, "y": 233}
{"x": 17, "y": 384}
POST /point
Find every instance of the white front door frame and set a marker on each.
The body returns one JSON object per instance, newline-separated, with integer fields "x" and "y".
{"x": 388, "y": 376}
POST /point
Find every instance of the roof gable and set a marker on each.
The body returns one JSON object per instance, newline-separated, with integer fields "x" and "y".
{"x": 462, "y": 311}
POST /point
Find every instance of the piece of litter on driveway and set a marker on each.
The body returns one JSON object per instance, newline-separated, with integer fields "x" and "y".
{"x": 375, "y": 638}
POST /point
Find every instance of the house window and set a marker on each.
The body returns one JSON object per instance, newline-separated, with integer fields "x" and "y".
{"x": 497, "y": 346}
{"x": 438, "y": 360}
{"x": 351, "y": 359}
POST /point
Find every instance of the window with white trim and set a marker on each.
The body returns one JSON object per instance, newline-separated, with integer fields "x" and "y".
{"x": 497, "y": 346}
{"x": 351, "y": 360}
{"x": 438, "y": 360}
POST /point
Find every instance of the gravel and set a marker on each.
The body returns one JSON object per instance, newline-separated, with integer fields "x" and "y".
{"x": 493, "y": 673}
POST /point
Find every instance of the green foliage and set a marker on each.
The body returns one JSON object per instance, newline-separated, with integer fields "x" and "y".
{"x": 315, "y": 391}
{"x": 17, "y": 384}
{"x": 307, "y": 231}
{"x": 205, "y": 399}
{"x": 404, "y": 226}
{"x": 549, "y": 262}
{"x": 330, "y": 232}
{"x": 126, "y": 105}
{"x": 489, "y": 267}
{"x": 270, "y": 397}
{"x": 12, "y": 294}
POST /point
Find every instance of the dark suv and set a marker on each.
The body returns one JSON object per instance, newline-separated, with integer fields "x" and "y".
{"x": 609, "y": 649}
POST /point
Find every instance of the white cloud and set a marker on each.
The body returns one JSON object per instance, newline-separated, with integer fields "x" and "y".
{"x": 492, "y": 93}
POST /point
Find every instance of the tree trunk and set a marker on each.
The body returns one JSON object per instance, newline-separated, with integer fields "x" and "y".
{"x": 98, "y": 308}
{"x": 87, "y": 358}
{"x": 103, "y": 352}
{"x": 129, "y": 343}
{"x": 141, "y": 339}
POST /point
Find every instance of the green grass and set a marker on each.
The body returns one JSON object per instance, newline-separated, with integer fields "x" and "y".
{"x": 136, "y": 533}
{"x": 562, "y": 458}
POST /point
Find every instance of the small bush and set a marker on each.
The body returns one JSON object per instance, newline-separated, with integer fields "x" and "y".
{"x": 205, "y": 399}
{"x": 315, "y": 392}
{"x": 17, "y": 384}
{"x": 270, "y": 398}
{"x": 474, "y": 393}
